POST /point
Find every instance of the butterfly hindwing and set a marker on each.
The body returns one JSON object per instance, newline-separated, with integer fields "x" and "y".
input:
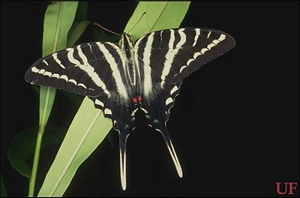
{"x": 167, "y": 57}
{"x": 158, "y": 114}
{"x": 123, "y": 122}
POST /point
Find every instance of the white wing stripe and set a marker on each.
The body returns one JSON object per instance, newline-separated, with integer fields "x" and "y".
{"x": 44, "y": 61}
{"x": 147, "y": 69}
{"x": 172, "y": 39}
{"x": 71, "y": 57}
{"x": 197, "y": 36}
{"x": 114, "y": 67}
{"x": 172, "y": 53}
{"x": 86, "y": 67}
{"x": 57, "y": 60}
{"x": 182, "y": 38}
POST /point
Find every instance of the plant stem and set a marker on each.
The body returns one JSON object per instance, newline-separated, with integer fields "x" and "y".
{"x": 47, "y": 95}
{"x": 36, "y": 160}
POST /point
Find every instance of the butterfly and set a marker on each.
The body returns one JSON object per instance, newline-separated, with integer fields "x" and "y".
{"x": 122, "y": 78}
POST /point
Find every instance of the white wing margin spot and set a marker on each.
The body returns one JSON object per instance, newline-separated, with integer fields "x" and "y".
{"x": 203, "y": 50}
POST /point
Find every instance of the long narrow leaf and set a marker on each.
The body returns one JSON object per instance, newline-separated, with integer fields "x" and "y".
{"x": 89, "y": 127}
{"x": 76, "y": 31}
{"x": 81, "y": 140}
{"x": 3, "y": 188}
{"x": 58, "y": 20}
{"x": 152, "y": 16}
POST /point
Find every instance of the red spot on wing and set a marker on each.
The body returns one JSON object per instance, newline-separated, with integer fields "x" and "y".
{"x": 134, "y": 100}
{"x": 139, "y": 98}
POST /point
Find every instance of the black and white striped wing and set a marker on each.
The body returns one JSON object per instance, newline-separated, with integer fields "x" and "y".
{"x": 93, "y": 69}
{"x": 167, "y": 57}
{"x": 74, "y": 69}
{"x": 173, "y": 54}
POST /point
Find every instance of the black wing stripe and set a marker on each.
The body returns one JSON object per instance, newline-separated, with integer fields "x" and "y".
{"x": 85, "y": 67}
{"x": 143, "y": 59}
{"x": 171, "y": 53}
{"x": 176, "y": 53}
{"x": 118, "y": 70}
{"x": 75, "y": 69}
{"x": 204, "y": 50}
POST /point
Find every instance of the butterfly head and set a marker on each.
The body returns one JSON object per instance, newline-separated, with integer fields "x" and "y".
{"x": 125, "y": 41}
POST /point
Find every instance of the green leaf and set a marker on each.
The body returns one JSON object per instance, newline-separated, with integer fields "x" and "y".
{"x": 21, "y": 148}
{"x": 58, "y": 20}
{"x": 89, "y": 126}
{"x": 152, "y": 16}
{"x": 74, "y": 98}
{"x": 81, "y": 14}
{"x": 76, "y": 31}
{"x": 47, "y": 96}
{"x": 3, "y": 188}
{"x": 79, "y": 25}
{"x": 82, "y": 139}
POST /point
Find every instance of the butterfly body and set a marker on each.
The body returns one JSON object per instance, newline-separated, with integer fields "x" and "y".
{"x": 125, "y": 77}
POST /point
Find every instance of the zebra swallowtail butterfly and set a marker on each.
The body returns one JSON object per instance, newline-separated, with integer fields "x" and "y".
{"x": 125, "y": 77}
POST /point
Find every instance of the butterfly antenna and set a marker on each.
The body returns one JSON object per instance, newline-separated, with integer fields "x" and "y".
{"x": 97, "y": 24}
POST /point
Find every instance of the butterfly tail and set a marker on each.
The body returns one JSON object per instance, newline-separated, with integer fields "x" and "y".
{"x": 157, "y": 117}
{"x": 122, "y": 147}
{"x": 171, "y": 149}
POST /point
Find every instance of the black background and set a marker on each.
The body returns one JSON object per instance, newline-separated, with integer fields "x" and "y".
{"x": 235, "y": 125}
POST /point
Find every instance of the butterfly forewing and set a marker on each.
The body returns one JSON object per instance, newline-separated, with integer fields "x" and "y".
{"x": 176, "y": 53}
{"x": 74, "y": 69}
